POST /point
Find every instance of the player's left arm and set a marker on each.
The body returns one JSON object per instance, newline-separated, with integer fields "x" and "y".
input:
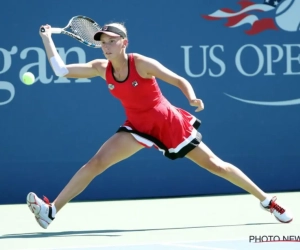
{"x": 152, "y": 67}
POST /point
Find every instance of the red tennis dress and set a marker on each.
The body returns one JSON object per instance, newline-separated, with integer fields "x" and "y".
{"x": 151, "y": 118}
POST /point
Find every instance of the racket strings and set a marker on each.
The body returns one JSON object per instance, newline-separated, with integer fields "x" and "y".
{"x": 85, "y": 29}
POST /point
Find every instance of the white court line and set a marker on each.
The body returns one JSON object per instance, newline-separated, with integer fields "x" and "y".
{"x": 135, "y": 244}
{"x": 196, "y": 247}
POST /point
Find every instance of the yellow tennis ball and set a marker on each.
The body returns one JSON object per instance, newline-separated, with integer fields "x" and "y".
{"x": 28, "y": 78}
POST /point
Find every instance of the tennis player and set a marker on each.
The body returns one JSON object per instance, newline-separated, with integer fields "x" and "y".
{"x": 151, "y": 121}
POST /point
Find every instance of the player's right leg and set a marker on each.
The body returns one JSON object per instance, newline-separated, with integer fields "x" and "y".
{"x": 119, "y": 147}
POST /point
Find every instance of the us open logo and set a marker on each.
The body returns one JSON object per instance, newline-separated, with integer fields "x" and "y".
{"x": 269, "y": 15}
{"x": 261, "y": 16}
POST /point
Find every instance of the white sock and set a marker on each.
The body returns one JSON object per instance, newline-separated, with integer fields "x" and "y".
{"x": 53, "y": 210}
{"x": 266, "y": 202}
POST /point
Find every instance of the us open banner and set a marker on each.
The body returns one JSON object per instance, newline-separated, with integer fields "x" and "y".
{"x": 241, "y": 57}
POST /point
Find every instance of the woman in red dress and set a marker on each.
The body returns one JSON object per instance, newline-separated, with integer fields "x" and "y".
{"x": 151, "y": 121}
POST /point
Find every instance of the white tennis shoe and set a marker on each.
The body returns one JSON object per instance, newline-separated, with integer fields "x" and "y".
{"x": 281, "y": 214}
{"x": 42, "y": 209}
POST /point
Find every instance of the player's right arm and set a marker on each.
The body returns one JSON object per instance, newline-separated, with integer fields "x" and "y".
{"x": 79, "y": 70}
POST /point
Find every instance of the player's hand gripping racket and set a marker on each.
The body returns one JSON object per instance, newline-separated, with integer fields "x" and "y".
{"x": 81, "y": 28}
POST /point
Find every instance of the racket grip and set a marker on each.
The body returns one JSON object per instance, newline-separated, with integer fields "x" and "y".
{"x": 56, "y": 30}
{"x": 53, "y": 30}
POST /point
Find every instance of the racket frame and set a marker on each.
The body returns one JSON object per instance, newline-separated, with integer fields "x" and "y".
{"x": 68, "y": 33}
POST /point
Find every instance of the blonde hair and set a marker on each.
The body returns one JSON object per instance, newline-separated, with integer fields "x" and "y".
{"x": 120, "y": 26}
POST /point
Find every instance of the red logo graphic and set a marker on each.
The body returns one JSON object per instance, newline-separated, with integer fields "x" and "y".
{"x": 270, "y": 15}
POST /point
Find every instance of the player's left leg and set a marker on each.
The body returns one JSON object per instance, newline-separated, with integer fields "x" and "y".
{"x": 205, "y": 158}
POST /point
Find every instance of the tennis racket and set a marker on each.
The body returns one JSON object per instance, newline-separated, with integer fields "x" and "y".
{"x": 82, "y": 29}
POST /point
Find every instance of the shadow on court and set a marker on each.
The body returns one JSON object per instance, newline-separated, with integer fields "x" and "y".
{"x": 109, "y": 233}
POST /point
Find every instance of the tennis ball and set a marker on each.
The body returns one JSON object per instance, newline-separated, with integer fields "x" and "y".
{"x": 28, "y": 78}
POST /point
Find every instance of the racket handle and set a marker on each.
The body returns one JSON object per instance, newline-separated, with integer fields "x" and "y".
{"x": 56, "y": 30}
{"x": 53, "y": 30}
